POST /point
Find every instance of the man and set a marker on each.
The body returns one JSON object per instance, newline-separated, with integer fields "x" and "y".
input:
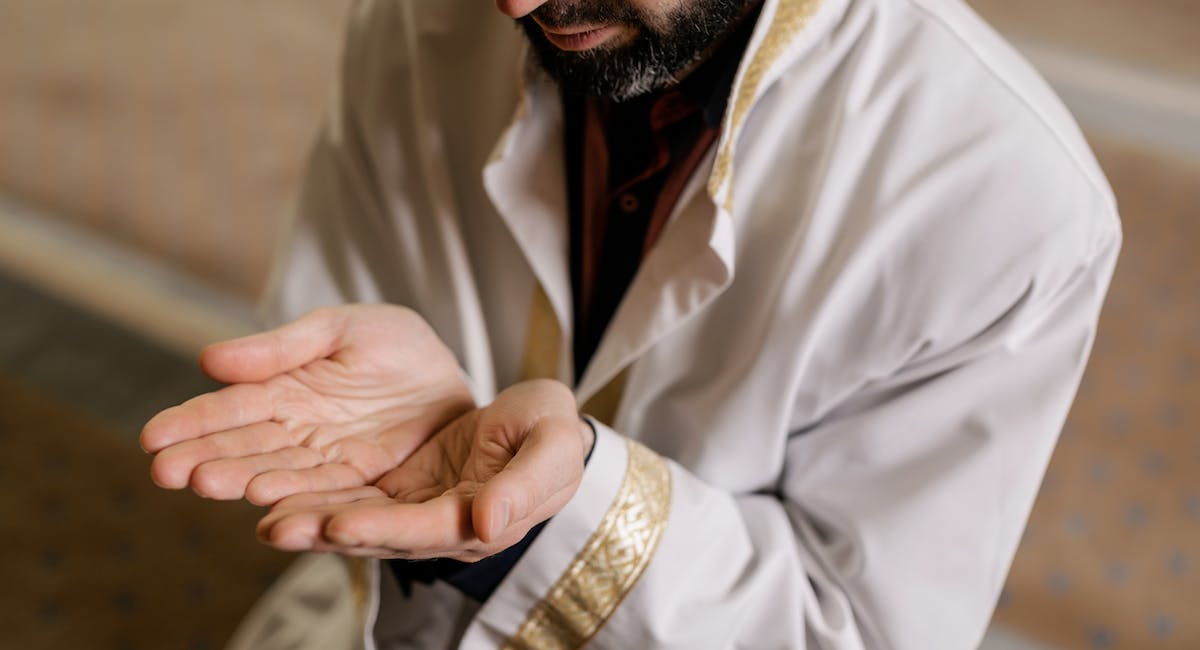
{"x": 821, "y": 276}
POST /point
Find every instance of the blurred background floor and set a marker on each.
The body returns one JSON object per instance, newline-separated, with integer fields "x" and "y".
{"x": 169, "y": 135}
{"x": 1111, "y": 557}
{"x": 95, "y": 556}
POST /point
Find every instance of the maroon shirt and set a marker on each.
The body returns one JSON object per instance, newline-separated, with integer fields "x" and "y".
{"x": 627, "y": 165}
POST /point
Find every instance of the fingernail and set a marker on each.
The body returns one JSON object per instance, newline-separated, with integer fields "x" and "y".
{"x": 500, "y": 514}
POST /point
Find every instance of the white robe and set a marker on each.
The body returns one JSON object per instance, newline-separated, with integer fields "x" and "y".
{"x": 849, "y": 354}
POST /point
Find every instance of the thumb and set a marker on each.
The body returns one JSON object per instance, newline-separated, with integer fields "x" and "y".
{"x": 539, "y": 480}
{"x": 261, "y": 356}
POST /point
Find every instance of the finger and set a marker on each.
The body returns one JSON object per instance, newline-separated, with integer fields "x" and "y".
{"x": 320, "y": 546}
{"x": 299, "y": 528}
{"x": 538, "y": 481}
{"x": 228, "y": 408}
{"x": 310, "y": 500}
{"x": 438, "y": 525}
{"x": 173, "y": 466}
{"x": 270, "y": 487}
{"x": 292, "y": 531}
{"x": 227, "y": 478}
{"x": 259, "y": 357}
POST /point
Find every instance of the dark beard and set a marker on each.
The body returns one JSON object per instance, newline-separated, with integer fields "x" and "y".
{"x": 648, "y": 62}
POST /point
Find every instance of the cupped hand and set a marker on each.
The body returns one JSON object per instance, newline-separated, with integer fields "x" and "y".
{"x": 473, "y": 489}
{"x": 330, "y": 401}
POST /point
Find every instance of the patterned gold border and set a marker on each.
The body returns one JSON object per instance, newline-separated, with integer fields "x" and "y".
{"x": 543, "y": 338}
{"x": 610, "y": 564}
{"x": 791, "y": 17}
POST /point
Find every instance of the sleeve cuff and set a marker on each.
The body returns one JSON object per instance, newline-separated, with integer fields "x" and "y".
{"x": 475, "y": 580}
{"x": 567, "y": 585}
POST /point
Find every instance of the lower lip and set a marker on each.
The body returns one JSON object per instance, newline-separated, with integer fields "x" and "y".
{"x": 581, "y": 41}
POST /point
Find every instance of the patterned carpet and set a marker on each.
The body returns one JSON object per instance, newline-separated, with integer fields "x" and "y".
{"x": 93, "y": 555}
{"x": 1111, "y": 557}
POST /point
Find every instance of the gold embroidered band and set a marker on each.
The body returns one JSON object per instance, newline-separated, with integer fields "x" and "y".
{"x": 791, "y": 16}
{"x": 609, "y": 565}
{"x": 604, "y": 404}
{"x": 543, "y": 339}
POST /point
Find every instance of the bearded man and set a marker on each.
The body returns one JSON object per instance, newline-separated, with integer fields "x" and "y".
{"x": 821, "y": 277}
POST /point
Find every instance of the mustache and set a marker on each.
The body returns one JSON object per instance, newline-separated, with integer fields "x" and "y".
{"x": 561, "y": 14}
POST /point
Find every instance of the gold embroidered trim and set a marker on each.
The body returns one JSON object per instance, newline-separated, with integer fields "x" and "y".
{"x": 604, "y": 404}
{"x": 791, "y": 16}
{"x": 542, "y": 339}
{"x": 608, "y": 567}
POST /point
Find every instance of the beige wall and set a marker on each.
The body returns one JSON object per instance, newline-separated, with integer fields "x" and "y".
{"x": 1157, "y": 34}
{"x": 177, "y": 127}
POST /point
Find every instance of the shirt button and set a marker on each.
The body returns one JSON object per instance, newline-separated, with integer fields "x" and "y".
{"x": 628, "y": 202}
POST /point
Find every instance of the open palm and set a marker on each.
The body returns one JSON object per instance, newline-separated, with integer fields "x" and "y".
{"x": 331, "y": 401}
{"x": 473, "y": 489}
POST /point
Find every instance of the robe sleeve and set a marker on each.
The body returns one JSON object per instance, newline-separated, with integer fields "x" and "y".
{"x": 893, "y": 525}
